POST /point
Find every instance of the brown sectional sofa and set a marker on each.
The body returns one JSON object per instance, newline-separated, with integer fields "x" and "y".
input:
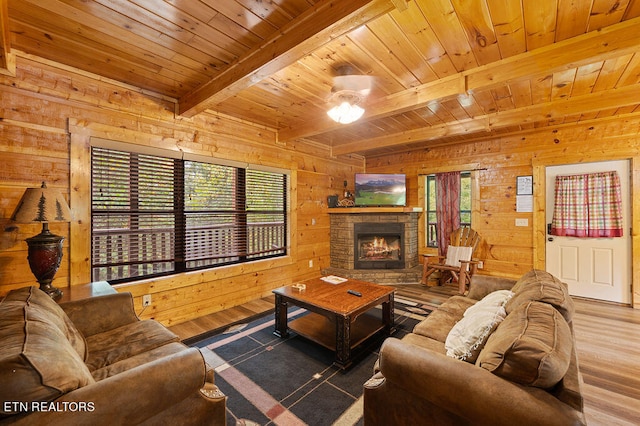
{"x": 519, "y": 368}
{"x": 94, "y": 362}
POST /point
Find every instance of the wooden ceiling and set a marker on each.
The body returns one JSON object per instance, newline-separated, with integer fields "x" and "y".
{"x": 445, "y": 71}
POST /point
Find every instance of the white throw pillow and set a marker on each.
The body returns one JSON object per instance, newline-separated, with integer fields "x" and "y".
{"x": 466, "y": 339}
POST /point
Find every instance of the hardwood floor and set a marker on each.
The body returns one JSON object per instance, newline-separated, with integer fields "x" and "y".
{"x": 607, "y": 340}
{"x": 608, "y": 343}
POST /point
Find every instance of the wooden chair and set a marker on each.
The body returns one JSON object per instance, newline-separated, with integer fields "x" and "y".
{"x": 460, "y": 262}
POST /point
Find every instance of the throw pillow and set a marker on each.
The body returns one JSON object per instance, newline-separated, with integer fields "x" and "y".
{"x": 531, "y": 347}
{"x": 467, "y": 337}
{"x": 541, "y": 286}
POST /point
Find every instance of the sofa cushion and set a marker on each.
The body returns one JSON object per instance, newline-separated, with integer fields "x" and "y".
{"x": 41, "y": 304}
{"x": 541, "y": 286}
{"x": 439, "y": 322}
{"x": 37, "y": 361}
{"x": 137, "y": 360}
{"x": 532, "y": 346}
{"x": 424, "y": 342}
{"x": 466, "y": 339}
{"x": 481, "y": 285}
{"x": 126, "y": 341}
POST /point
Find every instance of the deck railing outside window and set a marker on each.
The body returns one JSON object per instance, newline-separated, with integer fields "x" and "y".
{"x": 156, "y": 216}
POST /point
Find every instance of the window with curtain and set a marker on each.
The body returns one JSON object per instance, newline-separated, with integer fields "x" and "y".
{"x": 588, "y": 206}
{"x": 156, "y": 216}
{"x": 462, "y": 208}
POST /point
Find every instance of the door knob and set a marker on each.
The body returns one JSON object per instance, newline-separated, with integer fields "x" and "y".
{"x": 550, "y": 239}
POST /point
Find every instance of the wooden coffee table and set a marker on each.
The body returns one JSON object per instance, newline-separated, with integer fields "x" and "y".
{"x": 338, "y": 320}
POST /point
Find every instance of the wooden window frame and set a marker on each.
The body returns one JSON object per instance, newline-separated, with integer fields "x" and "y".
{"x": 240, "y": 240}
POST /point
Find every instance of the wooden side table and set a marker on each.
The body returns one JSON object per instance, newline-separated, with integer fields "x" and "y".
{"x": 85, "y": 291}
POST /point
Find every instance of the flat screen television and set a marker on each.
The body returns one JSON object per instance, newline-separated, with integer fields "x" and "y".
{"x": 380, "y": 189}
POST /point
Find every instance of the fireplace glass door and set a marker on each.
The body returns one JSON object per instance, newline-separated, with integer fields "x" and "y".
{"x": 378, "y": 246}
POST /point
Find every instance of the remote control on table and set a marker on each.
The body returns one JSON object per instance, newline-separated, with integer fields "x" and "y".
{"x": 355, "y": 293}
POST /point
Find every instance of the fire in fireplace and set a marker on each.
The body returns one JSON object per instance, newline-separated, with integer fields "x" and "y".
{"x": 378, "y": 246}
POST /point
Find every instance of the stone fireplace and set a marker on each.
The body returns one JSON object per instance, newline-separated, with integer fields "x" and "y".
{"x": 375, "y": 244}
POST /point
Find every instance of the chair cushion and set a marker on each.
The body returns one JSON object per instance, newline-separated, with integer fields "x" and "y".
{"x": 466, "y": 339}
{"x": 37, "y": 361}
{"x": 532, "y": 346}
{"x": 541, "y": 286}
{"x": 457, "y": 253}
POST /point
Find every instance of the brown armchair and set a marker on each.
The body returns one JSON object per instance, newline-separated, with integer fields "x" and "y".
{"x": 459, "y": 264}
{"x": 94, "y": 362}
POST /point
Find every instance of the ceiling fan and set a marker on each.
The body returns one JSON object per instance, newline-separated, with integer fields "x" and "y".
{"x": 347, "y": 93}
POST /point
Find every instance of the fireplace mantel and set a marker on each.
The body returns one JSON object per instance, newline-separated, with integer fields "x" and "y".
{"x": 359, "y": 210}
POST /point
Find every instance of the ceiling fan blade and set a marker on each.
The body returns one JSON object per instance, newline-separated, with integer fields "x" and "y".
{"x": 357, "y": 83}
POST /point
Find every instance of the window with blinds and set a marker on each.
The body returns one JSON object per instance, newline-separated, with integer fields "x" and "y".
{"x": 155, "y": 216}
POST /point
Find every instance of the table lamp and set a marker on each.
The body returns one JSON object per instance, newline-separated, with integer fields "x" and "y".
{"x": 44, "y": 205}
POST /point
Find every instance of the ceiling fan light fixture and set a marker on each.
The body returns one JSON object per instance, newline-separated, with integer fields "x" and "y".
{"x": 345, "y": 113}
{"x": 346, "y": 109}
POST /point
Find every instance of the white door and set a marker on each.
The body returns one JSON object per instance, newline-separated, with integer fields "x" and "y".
{"x": 597, "y": 268}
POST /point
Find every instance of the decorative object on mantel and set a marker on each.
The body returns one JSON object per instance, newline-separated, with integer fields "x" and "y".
{"x": 44, "y": 205}
{"x": 347, "y": 201}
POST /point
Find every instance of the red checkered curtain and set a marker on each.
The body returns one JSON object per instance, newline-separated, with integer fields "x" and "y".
{"x": 588, "y": 206}
{"x": 447, "y": 207}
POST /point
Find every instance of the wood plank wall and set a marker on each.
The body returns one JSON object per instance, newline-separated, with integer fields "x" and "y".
{"x": 44, "y": 101}
{"x": 512, "y": 250}
{"x": 47, "y": 115}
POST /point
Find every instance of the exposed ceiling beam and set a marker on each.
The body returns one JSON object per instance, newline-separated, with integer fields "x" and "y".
{"x": 613, "y": 98}
{"x": 325, "y": 21}
{"x": 609, "y": 42}
{"x": 401, "y": 4}
{"x": 613, "y": 41}
{"x": 7, "y": 59}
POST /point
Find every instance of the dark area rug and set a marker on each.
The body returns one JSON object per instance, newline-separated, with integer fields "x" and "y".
{"x": 292, "y": 381}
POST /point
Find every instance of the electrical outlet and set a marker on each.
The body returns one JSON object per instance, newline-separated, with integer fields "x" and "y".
{"x": 146, "y": 300}
{"x": 311, "y": 263}
{"x": 522, "y": 222}
{"x": 480, "y": 264}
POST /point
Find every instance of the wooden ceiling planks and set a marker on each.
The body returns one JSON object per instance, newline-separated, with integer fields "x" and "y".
{"x": 442, "y": 17}
{"x": 476, "y": 21}
{"x": 540, "y": 22}
{"x": 444, "y": 70}
{"x": 418, "y": 31}
{"x": 299, "y": 37}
